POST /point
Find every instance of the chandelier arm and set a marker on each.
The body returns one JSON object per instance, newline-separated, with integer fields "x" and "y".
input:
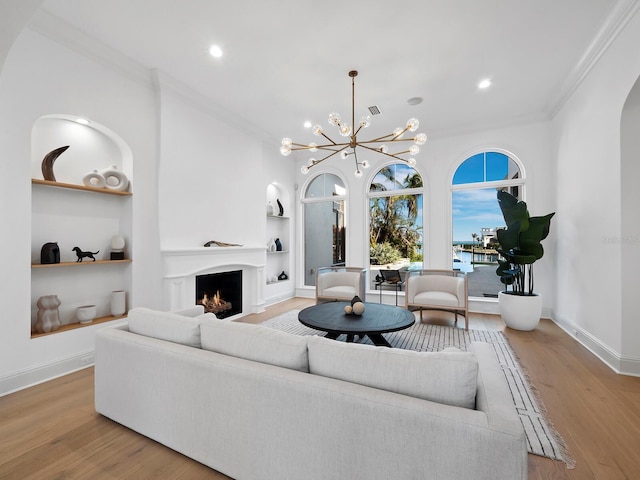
{"x": 400, "y": 134}
{"x": 322, "y": 133}
{"x": 301, "y": 146}
{"x": 392, "y": 155}
{"x": 328, "y": 156}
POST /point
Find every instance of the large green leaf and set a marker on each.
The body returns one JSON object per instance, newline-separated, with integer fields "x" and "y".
{"x": 513, "y": 210}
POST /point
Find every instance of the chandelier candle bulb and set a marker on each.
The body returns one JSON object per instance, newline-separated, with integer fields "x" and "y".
{"x": 346, "y": 148}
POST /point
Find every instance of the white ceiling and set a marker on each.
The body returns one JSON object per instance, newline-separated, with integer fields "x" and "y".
{"x": 287, "y": 61}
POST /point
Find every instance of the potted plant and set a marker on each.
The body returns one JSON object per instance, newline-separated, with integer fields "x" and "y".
{"x": 520, "y": 247}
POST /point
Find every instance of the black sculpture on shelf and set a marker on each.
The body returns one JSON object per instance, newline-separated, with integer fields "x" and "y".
{"x": 278, "y": 245}
{"x": 283, "y": 276}
{"x": 50, "y": 253}
{"x": 82, "y": 255}
{"x": 281, "y": 213}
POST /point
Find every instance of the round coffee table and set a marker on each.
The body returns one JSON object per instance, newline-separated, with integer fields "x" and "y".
{"x": 376, "y": 320}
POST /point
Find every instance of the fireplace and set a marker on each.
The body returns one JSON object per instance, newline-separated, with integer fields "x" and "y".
{"x": 182, "y": 266}
{"x": 220, "y": 293}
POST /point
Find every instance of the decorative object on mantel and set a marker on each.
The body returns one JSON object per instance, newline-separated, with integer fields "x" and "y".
{"x": 82, "y": 255}
{"x": 117, "y": 247}
{"x": 278, "y": 245}
{"x": 115, "y": 179}
{"x": 47, "y": 163}
{"x": 94, "y": 179}
{"x": 280, "y": 208}
{"x": 86, "y": 313}
{"x": 118, "y": 303}
{"x": 50, "y": 253}
{"x": 271, "y": 245}
{"x": 283, "y": 276}
{"x": 269, "y": 209}
{"x": 48, "y": 317}
{"x": 375, "y": 145}
{"x": 216, "y": 243}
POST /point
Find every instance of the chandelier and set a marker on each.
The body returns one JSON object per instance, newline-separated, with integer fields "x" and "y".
{"x": 347, "y": 148}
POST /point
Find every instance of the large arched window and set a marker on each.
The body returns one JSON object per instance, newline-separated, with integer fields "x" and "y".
{"x": 476, "y": 216}
{"x": 324, "y": 224}
{"x": 395, "y": 221}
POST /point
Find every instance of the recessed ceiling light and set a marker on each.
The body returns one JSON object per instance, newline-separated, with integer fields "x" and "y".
{"x": 307, "y": 124}
{"x": 486, "y": 83}
{"x": 215, "y": 51}
{"x": 415, "y": 101}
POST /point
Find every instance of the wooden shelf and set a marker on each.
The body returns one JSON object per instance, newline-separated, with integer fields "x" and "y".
{"x": 74, "y": 326}
{"x": 77, "y": 264}
{"x": 73, "y": 186}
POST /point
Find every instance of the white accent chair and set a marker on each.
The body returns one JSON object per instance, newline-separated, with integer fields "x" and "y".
{"x": 445, "y": 290}
{"x": 340, "y": 283}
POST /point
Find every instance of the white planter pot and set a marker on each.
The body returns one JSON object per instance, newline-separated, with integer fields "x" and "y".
{"x": 520, "y": 312}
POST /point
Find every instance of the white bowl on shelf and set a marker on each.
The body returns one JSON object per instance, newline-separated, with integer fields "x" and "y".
{"x": 86, "y": 313}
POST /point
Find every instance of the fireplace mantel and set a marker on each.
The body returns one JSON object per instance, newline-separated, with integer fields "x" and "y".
{"x": 181, "y": 265}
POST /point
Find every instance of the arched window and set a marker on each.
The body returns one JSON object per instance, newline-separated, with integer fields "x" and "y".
{"x": 324, "y": 224}
{"x": 476, "y": 216}
{"x": 395, "y": 221}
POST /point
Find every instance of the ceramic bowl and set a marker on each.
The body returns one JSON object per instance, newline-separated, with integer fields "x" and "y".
{"x": 86, "y": 313}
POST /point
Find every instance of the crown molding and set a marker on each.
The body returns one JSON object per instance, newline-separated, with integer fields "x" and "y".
{"x": 619, "y": 16}
{"x": 67, "y": 35}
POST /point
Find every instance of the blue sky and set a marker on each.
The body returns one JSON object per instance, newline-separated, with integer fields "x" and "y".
{"x": 477, "y": 208}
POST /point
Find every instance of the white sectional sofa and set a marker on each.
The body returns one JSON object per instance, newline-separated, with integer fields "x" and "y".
{"x": 256, "y": 403}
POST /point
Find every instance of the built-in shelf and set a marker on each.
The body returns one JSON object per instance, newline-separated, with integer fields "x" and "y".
{"x": 74, "y": 326}
{"x": 278, "y": 216}
{"x": 278, "y": 251}
{"x": 74, "y": 186}
{"x": 77, "y": 264}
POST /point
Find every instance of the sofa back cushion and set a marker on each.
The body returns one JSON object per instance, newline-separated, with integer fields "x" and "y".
{"x": 257, "y": 343}
{"x": 443, "y": 377}
{"x": 166, "y": 326}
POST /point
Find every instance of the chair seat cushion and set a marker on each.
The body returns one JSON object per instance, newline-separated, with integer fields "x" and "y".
{"x": 342, "y": 291}
{"x": 436, "y": 298}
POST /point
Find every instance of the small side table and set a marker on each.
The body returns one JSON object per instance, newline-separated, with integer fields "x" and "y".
{"x": 389, "y": 278}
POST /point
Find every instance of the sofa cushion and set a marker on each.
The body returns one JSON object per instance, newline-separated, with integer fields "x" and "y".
{"x": 257, "y": 343}
{"x": 166, "y": 326}
{"x": 443, "y": 377}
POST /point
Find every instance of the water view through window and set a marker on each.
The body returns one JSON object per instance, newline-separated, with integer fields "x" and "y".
{"x": 476, "y": 217}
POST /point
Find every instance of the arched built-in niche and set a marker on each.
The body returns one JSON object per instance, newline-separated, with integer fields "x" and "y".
{"x": 65, "y": 212}
{"x": 279, "y": 242}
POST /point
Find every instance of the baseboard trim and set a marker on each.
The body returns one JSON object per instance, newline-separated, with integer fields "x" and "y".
{"x": 620, "y": 364}
{"x": 42, "y": 373}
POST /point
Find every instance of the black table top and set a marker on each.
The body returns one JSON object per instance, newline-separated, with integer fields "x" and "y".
{"x": 377, "y": 318}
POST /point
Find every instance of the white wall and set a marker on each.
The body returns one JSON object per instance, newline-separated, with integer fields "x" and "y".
{"x": 590, "y": 262}
{"x": 41, "y": 77}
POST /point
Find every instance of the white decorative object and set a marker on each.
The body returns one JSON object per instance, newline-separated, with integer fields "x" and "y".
{"x": 86, "y": 313}
{"x": 520, "y": 312}
{"x": 269, "y": 209}
{"x": 94, "y": 179}
{"x": 118, "y": 303}
{"x": 271, "y": 246}
{"x": 115, "y": 179}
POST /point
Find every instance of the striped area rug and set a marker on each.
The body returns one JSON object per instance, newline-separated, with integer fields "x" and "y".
{"x": 542, "y": 438}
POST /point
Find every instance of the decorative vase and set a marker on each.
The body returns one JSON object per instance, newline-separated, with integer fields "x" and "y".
{"x": 280, "y": 207}
{"x": 269, "y": 209}
{"x": 86, "y": 313}
{"x": 48, "y": 317}
{"x": 118, "y": 303}
{"x": 520, "y": 312}
{"x": 278, "y": 245}
{"x": 94, "y": 179}
{"x": 117, "y": 247}
{"x": 115, "y": 179}
{"x": 271, "y": 245}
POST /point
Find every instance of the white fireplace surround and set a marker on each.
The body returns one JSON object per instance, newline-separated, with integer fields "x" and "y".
{"x": 182, "y": 265}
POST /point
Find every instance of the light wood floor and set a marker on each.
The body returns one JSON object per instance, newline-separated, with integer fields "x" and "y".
{"x": 51, "y": 431}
